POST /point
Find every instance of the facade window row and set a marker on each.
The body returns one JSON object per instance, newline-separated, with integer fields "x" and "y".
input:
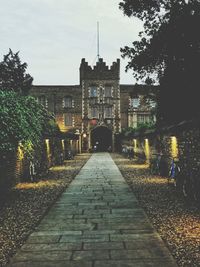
{"x": 107, "y": 112}
{"x": 135, "y": 102}
{"x": 104, "y": 92}
{"x": 143, "y": 118}
{"x": 134, "y": 119}
{"x": 68, "y": 102}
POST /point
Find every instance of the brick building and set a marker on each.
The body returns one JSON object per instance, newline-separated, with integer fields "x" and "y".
{"x": 99, "y": 107}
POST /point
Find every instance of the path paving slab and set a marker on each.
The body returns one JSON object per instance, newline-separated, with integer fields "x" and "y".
{"x": 97, "y": 222}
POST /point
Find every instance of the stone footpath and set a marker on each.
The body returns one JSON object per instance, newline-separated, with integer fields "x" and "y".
{"x": 97, "y": 222}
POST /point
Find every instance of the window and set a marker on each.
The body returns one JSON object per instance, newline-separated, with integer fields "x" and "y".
{"x": 143, "y": 118}
{"x": 109, "y": 101}
{"x": 93, "y": 91}
{"x": 108, "y": 91}
{"x": 132, "y": 120}
{"x": 135, "y": 102}
{"x": 108, "y": 112}
{"x": 152, "y": 103}
{"x": 67, "y": 103}
{"x": 94, "y": 112}
{"x": 68, "y": 119}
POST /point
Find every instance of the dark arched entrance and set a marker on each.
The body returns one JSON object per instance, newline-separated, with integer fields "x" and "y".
{"x": 101, "y": 137}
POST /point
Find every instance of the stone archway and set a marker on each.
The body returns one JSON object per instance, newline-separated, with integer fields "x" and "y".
{"x": 101, "y": 137}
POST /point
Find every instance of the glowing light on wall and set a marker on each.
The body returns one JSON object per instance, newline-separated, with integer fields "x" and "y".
{"x": 63, "y": 144}
{"x": 135, "y": 145}
{"x": 174, "y": 147}
{"x": 19, "y": 161}
{"x": 60, "y": 120}
{"x": 47, "y": 146}
{"x": 20, "y": 153}
{"x": 147, "y": 149}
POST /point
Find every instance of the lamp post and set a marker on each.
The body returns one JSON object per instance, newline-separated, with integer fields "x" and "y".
{"x": 84, "y": 142}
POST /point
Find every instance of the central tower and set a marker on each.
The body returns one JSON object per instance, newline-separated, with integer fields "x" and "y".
{"x": 100, "y": 104}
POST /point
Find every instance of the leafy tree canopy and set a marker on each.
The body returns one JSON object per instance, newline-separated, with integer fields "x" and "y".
{"x": 170, "y": 47}
{"x": 13, "y": 74}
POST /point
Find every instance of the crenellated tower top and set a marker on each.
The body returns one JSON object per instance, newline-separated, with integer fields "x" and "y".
{"x": 100, "y": 71}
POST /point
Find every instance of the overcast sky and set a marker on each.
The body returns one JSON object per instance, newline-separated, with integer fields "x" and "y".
{"x": 53, "y": 35}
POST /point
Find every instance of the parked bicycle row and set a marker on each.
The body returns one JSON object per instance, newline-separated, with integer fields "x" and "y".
{"x": 186, "y": 181}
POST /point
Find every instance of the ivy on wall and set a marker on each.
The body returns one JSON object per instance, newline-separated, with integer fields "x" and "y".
{"x": 22, "y": 120}
{"x": 128, "y": 132}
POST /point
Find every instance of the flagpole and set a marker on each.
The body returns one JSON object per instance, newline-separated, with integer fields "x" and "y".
{"x": 98, "y": 41}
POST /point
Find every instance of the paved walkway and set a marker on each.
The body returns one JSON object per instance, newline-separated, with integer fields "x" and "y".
{"x": 97, "y": 222}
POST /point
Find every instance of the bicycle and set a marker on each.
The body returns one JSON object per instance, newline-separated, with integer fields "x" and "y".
{"x": 155, "y": 164}
{"x": 174, "y": 172}
{"x": 186, "y": 181}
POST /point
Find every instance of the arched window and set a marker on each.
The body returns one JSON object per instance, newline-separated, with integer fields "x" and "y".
{"x": 67, "y": 103}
